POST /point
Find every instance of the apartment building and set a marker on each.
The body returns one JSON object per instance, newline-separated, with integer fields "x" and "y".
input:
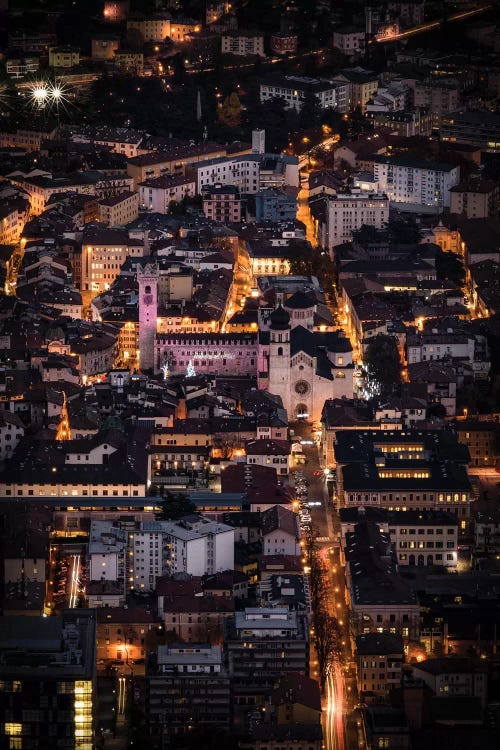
{"x": 119, "y": 210}
{"x": 104, "y": 46}
{"x": 263, "y": 644}
{"x": 424, "y": 537}
{"x": 481, "y": 129}
{"x": 379, "y": 599}
{"x": 156, "y": 194}
{"x": 453, "y": 675}
{"x": 129, "y": 61}
{"x": 439, "y": 95}
{"x": 350, "y": 40}
{"x": 481, "y": 439}
{"x": 283, "y": 43}
{"x": 249, "y": 173}
{"x": 18, "y": 67}
{"x": 154, "y": 28}
{"x": 194, "y": 545}
{"x": 122, "y": 632}
{"x": 187, "y": 685}
{"x": 170, "y": 162}
{"x": 349, "y": 211}
{"x": 379, "y": 661}
{"x": 48, "y": 658}
{"x": 13, "y": 215}
{"x": 64, "y": 57}
{"x": 222, "y": 203}
{"x": 107, "y": 552}
{"x": 242, "y": 43}
{"x": 475, "y": 198}
{"x": 294, "y": 89}
{"x": 104, "y": 251}
{"x": 362, "y": 84}
{"x": 419, "y": 185}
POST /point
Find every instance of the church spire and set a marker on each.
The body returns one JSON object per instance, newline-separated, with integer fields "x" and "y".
{"x": 63, "y": 429}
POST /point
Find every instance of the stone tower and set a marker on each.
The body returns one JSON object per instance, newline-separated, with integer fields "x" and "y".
{"x": 147, "y": 279}
{"x": 279, "y": 355}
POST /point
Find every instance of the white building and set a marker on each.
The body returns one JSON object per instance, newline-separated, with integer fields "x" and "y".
{"x": 249, "y": 173}
{"x": 11, "y": 432}
{"x": 453, "y": 675}
{"x": 157, "y": 193}
{"x": 280, "y": 532}
{"x": 293, "y": 89}
{"x": 193, "y": 545}
{"x": 349, "y": 40}
{"x": 422, "y": 347}
{"x": 420, "y": 185}
{"x": 107, "y": 551}
{"x": 424, "y": 537}
{"x": 348, "y": 211}
{"x": 274, "y": 453}
{"x": 242, "y": 43}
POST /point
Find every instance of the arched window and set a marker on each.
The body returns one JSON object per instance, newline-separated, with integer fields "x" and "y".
{"x": 280, "y": 351}
{"x": 340, "y": 375}
{"x": 147, "y": 289}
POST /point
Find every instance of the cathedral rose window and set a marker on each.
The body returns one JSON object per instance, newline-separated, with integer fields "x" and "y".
{"x": 301, "y": 387}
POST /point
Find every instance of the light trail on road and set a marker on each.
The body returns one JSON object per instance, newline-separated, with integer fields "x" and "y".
{"x": 431, "y": 25}
{"x": 75, "y": 582}
{"x": 122, "y": 692}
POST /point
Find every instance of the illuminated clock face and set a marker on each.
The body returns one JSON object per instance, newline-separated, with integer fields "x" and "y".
{"x": 148, "y": 299}
{"x": 301, "y": 387}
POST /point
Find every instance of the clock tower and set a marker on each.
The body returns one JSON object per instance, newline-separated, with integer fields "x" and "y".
{"x": 147, "y": 279}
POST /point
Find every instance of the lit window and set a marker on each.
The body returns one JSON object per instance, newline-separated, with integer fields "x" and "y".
{"x": 12, "y": 729}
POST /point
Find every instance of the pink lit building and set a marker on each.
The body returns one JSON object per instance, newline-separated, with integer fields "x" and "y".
{"x": 222, "y": 203}
{"x": 222, "y": 353}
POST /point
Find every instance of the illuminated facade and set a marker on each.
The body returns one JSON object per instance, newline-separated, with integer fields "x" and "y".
{"x": 47, "y": 678}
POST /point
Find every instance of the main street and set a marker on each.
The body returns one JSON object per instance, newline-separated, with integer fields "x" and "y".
{"x": 325, "y": 522}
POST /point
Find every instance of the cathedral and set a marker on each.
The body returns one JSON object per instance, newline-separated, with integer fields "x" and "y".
{"x": 303, "y": 366}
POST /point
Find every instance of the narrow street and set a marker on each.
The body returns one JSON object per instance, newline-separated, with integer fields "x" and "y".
{"x": 339, "y": 694}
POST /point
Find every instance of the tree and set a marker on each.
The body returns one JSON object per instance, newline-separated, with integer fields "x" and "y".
{"x": 382, "y": 363}
{"x": 326, "y": 641}
{"x": 310, "y": 111}
{"x": 175, "y": 506}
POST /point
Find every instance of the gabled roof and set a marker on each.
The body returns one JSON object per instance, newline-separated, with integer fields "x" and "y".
{"x": 280, "y": 518}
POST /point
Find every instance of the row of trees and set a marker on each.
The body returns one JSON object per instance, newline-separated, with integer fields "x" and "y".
{"x": 327, "y": 635}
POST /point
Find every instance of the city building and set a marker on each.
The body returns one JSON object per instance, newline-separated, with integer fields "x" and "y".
{"x": 195, "y": 618}
{"x": 242, "y": 43}
{"x": 349, "y": 211}
{"x": 107, "y": 552}
{"x": 169, "y": 163}
{"x": 379, "y": 599}
{"x": 424, "y": 537}
{"x": 476, "y": 198}
{"x": 222, "y": 203}
{"x": 439, "y": 95}
{"x": 119, "y": 210}
{"x": 104, "y": 251}
{"x": 453, "y": 675}
{"x": 116, "y": 10}
{"x": 122, "y": 632}
{"x": 280, "y": 531}
{"x": 187, "y": 686}
{"x": 276, "y": 205}
{"x": 481, "y": 129}
{"x": 482, "y": 440}
{"x": 262, "y": 645}
{"x": 297, "y": 700}
{"x": 129, "y": 61}
{"x": 350, "y": 40}
{"x": 18, "y": 67}
{"x": 63, "y": 57}
{"x": 249, "y": 173}
{"x": 379, "y": 661}
{"x": 154, "y": 28}
{"x": 420, "y": 186}
{"x": 283, "y": 43}
{"x": 157, "y": 194}
{"x": 294, "y": 89}
{"x": 194, "y": 545}
{"x": 104, "y": 46}
{"x": 264, "y": 452}
{"x": 362, "y": 84}
{"x": 47, "y": 680}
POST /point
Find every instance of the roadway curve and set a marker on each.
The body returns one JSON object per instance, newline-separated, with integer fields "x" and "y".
{"x": 431, "y": 25}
